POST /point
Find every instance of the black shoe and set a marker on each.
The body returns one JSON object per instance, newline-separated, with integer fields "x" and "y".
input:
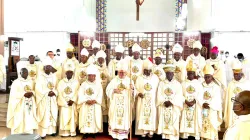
{"x": 53, "y": 135}
{"x": 43, "y": 137}
{"x": 93, "y": 136}
{"x": 85, "y": 136}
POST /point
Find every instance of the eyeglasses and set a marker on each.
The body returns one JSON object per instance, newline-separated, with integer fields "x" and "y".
{"x": 234, "y": 100}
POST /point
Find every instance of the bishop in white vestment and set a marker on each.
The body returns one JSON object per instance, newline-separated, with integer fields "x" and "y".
{"x": 90, "y": 97}
{"x": 33, "y": 68}
{"x": 69, "y": 60}
{"x": 180, "y": 70}
{"x": 96, "y": 45}
{"x": 146, "y": 87}
{"x": 191, "y": 114}
{"x": 21, "y": 115}
{"x": 136, "y": 63}
{"x": 169, "y": 103}
{"x": 121, "y": 95}
{"x": 158, "y": 66}
{"x": 238, "y": 84}
{"x": 81, "y": 74}
{"x": 104, "y": 79}
{"x": 197, "y": 59}
{"x": 211, "y": 106}
{"x": 240, "y": 129}
{"x": 46, "y": 99}
{"x": 67, "y": 102}
{"x": 112, "y": 66}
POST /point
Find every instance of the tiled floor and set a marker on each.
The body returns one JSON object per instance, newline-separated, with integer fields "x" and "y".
{"x": 4, "y": 132}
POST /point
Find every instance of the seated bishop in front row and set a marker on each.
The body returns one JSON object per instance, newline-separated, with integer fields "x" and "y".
{"x": 121, "y": 95}
{"x": 21, "y": 115}
{"x": 67, "y": 102}
{"x": 169, "y": 103}
{"x": 90, "y": 97}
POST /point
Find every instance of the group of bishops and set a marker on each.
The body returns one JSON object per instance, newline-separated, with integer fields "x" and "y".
{"x": 178, "y": 99}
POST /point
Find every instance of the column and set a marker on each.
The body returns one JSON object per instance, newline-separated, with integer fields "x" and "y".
{"x": 101, "y": 18}
{"x": 1, "y": 26}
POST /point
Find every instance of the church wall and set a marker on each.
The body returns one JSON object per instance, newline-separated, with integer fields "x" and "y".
{"x": 155, "y": 16}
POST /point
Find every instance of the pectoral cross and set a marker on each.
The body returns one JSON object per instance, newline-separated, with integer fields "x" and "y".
{"x": 138, "y": 4}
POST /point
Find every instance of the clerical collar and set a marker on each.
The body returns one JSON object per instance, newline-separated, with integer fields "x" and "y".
{"x": 215, "y": 60}
{"x": 167, "y": 81}
{"x": 22, "y": 79}
{"x": 46, "y": 75}
{"x": 68, "y": 80}
{"x": 178, "y": 60}
{"x": 208, "y": 85}
{"x": 242, "y": 80}
{"x": 244, "y": 118}
{"x": 85, "y": 64}
{"x": 91, "y": 83}
{"x": 194, "y": 80}
{"x": 147, "y": 77}
{"x": 195, "y": 57}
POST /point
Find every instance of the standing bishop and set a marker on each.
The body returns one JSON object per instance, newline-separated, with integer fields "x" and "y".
{"x": 198, "y": 60}
{"x": 146, "y": 86}
{"x": 180, "y": 70}
{"x": 191, "y": 115}
{"x": 211, "y": 105}
{"x": 21, "y": 115}
{"x": 169, "y": 103}
{"x": 158, "y": 66}
{"x": 120, "y": 92}
{"x": 46, "y": 99}
{"x": 90, "y": 97}
{"x": 238, "y": 84}
{"x": 112, "y": 66}
{"x": 67, "y": 102}
{"x": 136, "y": 63}
{"x": 81, "y": 71}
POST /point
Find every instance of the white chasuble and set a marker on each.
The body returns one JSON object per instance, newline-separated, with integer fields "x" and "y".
{"x": 191, "y": 119}
{"x": 146, "y": 106}
{"x": 68, "y": 116}
{"x": 158, "y": 70}
{"x": 72, "y": 61}
{"x": 212, "y": 117}
{"x": 81, "y": 73}
{"x": 104, "y": 79}
{"x": 112, "y": 68}
{"x": 234, "y": 88}
{"x": 180, "y": 71}
{"x": 135, "y": 68}
{"x": 169, "y": 117}
{"x": 33, "y": 71}
{"x": 47, "y": 109}
{"x": 199, "y": 61}
{"x": 239, "y": 130}
{"x": 90, "y": 116}
{"x": 21, "y": 115}
{"x": 121, "y": 105}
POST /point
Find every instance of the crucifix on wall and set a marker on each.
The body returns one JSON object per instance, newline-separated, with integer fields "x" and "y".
{"x": 138, "y": 4}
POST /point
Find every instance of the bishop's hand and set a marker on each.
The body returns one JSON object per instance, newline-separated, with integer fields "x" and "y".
{"x": 206, "y": 106}
{"x": 117, "y": 91}
{"x": 89, "y": 102}
{"x": 51, "y": 94}
{"x": 70, "y": 103}
{"x": 140, "y": 95}
{"x": 167, "y": 104}
{"x": 28, "y": 94}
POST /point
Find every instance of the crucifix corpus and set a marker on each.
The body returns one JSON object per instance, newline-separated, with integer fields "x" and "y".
{"x": 138, "y": 4}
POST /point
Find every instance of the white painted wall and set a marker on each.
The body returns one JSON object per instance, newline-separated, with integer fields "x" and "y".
{"x": 155, "y": 16}
{"x": 49, "y": 15}
{"x": 38, "y": 43}
{"x": 233, "y": 42}
{"x": 199, "y": 16}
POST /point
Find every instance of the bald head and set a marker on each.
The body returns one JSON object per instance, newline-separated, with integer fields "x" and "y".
{"x": 24, "y": 73}
{"x": 244, "y": 98}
